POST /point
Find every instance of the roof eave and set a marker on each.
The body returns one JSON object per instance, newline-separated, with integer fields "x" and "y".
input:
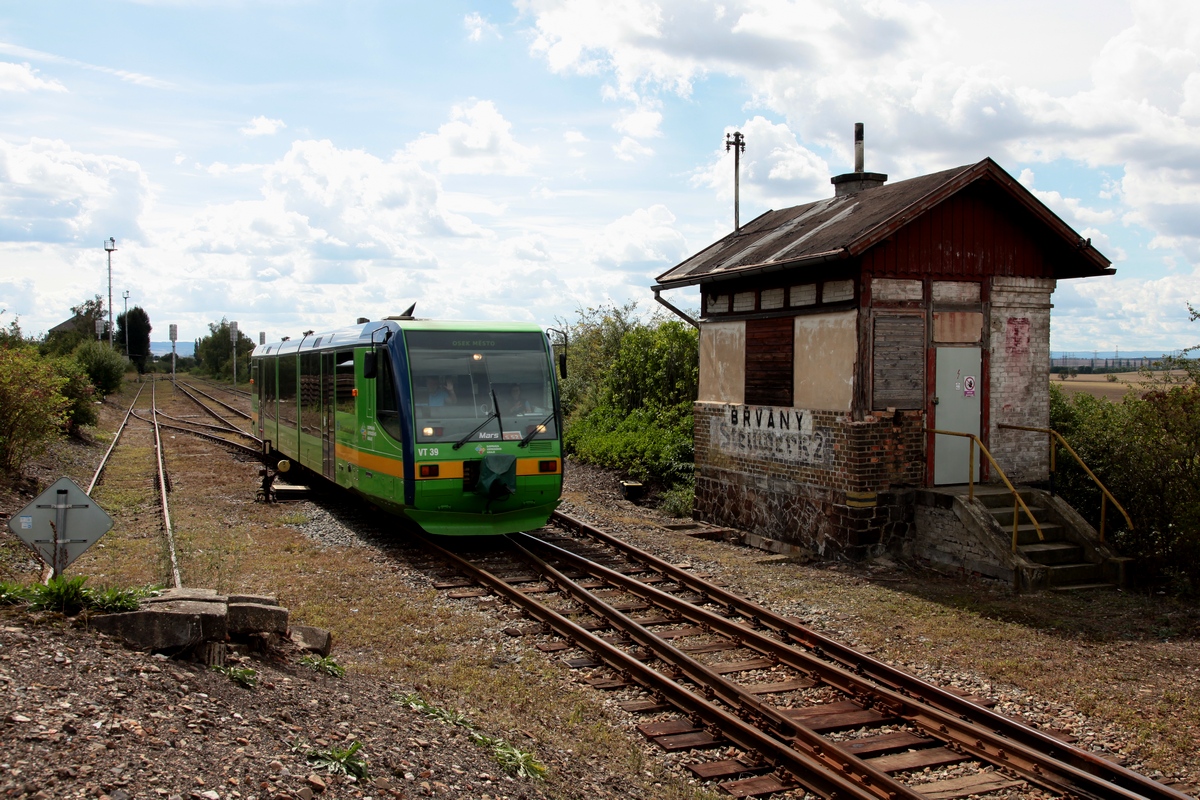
{"x": 754, "y": 269}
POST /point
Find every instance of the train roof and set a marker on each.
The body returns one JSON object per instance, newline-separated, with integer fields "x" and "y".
{"x": 361, "y": 335}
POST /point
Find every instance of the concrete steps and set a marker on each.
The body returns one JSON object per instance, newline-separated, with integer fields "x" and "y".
{"x": 1068, "y": 567}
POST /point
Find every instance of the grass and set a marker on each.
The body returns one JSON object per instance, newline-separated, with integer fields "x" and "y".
{"x": 513, "y": 760}
{"x": 69, "y": 596}
{"x": 325, "y": 664}
{"x": 242, "y": 676}
{"x": 339, "y": 760}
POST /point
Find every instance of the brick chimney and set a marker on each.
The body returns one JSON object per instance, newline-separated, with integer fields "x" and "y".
{"x": 854, "y": 182}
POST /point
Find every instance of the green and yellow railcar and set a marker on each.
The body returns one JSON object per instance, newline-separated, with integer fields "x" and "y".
{"x": 454, "y": 425}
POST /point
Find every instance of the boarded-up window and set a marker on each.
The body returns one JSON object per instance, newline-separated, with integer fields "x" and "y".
{"x": 805, "y": 295}
{"x": 898, "y": 376}
{"x": 718, "y": 303}
{"x": 837, "y": 291}
{"x": 743, "y": 301}
{"x": 771, "y": 298}
{"x": 769, "y": 363}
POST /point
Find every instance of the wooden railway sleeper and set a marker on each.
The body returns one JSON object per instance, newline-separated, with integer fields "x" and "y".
{"x": 730, "y": 694}
{"x": 805, "y": 770}
{"x": 1081, "y": 761}
{"x": 1062, "y": 777}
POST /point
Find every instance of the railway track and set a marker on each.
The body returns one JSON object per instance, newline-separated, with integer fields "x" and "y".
{"x": 130, "y": 486}
{"x": 800, "y": 710}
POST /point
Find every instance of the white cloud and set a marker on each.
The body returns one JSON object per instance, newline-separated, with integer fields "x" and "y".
{"x": 574, "y": 137}
{"x": 50, "y": 192}
{"x": 640, "y": 123}
{"x": 125, "y": 75}
{"x": 775, "y": 166}
{"x": 478, "y": 140}
{"x": 823, "y": 64}
{"x": 630, "y": 149}
{"x": 23, "y": 78}
{"x": 478, "y": 26}
{"x": 262, "y": 126}
{"x": 528, "y": 248}
{"x": 645, "y": 239}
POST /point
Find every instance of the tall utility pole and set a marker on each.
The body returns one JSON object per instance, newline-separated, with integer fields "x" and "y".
{"x": 738, "y": 143}
{"x": 233, "y": 335}
{"x": 110, "y": 244}
{"x": 126, "y": 296}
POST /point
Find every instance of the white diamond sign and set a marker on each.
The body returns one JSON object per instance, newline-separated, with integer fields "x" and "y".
{"x": 61, "y": 524}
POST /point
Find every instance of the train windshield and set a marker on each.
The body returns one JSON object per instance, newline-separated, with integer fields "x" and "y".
{"x": 456, "y": 375}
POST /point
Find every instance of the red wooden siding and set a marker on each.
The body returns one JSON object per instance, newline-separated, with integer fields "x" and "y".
{"x": 769, "y": 361}
{"x": 976, "y": 233}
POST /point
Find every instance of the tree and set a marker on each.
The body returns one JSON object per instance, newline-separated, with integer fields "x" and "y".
{"x": 214, "y": 353}
{"x": 135, "y": 323}
{"x": 87, "y": 313}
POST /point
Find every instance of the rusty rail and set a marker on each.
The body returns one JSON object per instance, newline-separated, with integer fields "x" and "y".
{"x": 116, "y": 437}
{"x": 1105, "y": 494}
{"x": 1038, "y": 757}
{"x": 1018, "y": 502}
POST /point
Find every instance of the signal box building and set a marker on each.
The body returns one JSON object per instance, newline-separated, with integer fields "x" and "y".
{"x": 834, "y": 334}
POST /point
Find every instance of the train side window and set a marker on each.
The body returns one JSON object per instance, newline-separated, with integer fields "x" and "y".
{"x": 287, "y": 389}
{"x": 345, "y": 381}
{"x": 310, "y": 393}
{"x": 267, "y": 375}
{"x": 387, "y": 408}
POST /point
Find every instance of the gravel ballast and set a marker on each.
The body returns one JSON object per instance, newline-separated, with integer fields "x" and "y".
{"x": 84, "y": 717}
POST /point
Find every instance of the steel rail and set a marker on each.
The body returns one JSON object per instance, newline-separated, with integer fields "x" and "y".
{"x": 257, "y": 453}
{"x": 803, "y": 769}
{"x": 222, "y": 403}
{"x": 222, "y": 388}
{"x": 113, "y": 444}
{"x": 224, "y": 428}
{"x": 162, "y": 488}
{"x": 894, "y": 689}
{"x": 744, "y": 704}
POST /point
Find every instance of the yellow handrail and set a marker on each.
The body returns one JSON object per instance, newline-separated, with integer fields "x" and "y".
{"x": 971, "y": 482}
{"x": 1105, "y": 495}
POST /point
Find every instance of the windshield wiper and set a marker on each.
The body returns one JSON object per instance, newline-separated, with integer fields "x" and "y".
{"x": 541, "y": 426}
{"x": 494, "y": 415}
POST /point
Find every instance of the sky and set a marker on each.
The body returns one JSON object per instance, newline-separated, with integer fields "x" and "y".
{"x": 295, "y": 165}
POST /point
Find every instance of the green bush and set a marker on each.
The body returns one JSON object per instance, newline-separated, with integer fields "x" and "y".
{"x": 104, "y": 366}
{"x": 629, "y": 396}
{"x": 1146, "y": 450}
{"x": 32, "y": 410}
{"x": 80, "y": 394}
{"x": 644, "y": 444}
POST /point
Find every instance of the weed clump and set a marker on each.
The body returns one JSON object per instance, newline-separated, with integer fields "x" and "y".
{"x": 325, "y": 664}
{"x": 514, "y": 761}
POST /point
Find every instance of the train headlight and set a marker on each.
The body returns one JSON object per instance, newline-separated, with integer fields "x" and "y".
{"x": 477, "y": 356}
{"x": 431, "y": 431}
{"x": 429, "y": 470}
{"x": 427, "y": 431}
{"x": 548, "y": 466}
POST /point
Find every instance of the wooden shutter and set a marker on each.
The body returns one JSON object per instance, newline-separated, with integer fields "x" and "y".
{"x": 769, "y": 361}
{"x": 898, "y": 363}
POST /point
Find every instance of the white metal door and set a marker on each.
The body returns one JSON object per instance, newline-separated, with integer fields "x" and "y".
{"x": 959, "y": 397}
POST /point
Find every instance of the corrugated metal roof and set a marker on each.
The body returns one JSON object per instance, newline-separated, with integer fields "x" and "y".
{"x": 840, "y": 227}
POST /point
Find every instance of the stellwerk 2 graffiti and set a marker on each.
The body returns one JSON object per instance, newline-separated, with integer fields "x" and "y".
{"x": 781, "y": 434}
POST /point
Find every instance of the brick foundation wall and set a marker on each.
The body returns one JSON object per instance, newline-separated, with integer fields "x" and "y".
{"x": 1019, "y": 332}
{"x": 811, "y": 478}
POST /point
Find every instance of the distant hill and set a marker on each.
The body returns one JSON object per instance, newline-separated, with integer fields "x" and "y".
{"x": 181, "y": 348}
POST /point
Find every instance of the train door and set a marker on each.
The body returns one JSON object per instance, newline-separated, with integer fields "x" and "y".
{"x": 328, "y": 426}
{"x": 959, "y": 397}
